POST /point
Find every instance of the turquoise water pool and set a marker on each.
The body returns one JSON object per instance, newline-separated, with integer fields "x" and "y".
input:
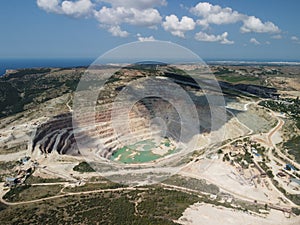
{"x": 141, "y": 152}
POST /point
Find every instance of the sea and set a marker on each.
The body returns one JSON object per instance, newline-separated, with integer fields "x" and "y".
{"x": 16, "y": 63}
{"x": 13, "y": 63}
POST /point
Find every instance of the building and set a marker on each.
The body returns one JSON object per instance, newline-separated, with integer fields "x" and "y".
{"x": 11, "y": 181}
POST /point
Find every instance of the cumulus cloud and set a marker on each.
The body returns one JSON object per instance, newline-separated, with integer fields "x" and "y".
{"x": 278, "y": 36}
{"x": 132, "y": 12}
{"x": 114, "y": 14}
{"x": 215, "y": 14}
{"x": 117, "y": 31}
{"x": 140, "y": 38}
{"x": 49, "y": 5}
{"x": 137, "y": 4}
{"x": 254, "y": 41}
{"x": 201, "y": 36}
{"x": 137, "y": 13}
{"x": 79, "y": 8}
{"x": 119, "y": 15}
{"x": 295, "y": 39}
{"x": 71, "y": 8}
{"x": 253, "y": 24}
{"x": 178, "y": 27}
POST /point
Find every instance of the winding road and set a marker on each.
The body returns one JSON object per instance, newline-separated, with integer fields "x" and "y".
{"x": 165, "y": 186}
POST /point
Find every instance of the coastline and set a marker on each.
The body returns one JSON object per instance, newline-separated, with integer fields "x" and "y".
{"x": 18, "y": 63}
{"x": 11, "y": 64}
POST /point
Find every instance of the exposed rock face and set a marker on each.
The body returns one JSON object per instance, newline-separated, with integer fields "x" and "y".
{"x": 149, "y": 117}
{"x": 260, "y": 91}
{"x": 56, "y": 135}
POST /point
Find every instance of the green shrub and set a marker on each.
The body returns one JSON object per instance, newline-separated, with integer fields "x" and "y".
{"x": 83, "y": 167}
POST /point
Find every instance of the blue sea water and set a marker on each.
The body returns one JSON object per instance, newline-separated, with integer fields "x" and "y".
{"x": 37, "y": 63}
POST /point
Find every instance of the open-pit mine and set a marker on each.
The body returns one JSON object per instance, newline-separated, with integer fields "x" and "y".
{"x": 161, "y": 144}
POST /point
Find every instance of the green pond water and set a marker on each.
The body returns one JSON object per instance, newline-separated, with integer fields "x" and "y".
{"x": 141, "y": 152}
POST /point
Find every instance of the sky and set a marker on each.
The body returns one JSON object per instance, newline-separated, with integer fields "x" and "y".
{"x": 213, "y": 29}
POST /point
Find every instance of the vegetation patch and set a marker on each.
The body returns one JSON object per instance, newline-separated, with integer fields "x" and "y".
{"x": 15, "y": 192}
{"x": 296, "y": 211}
{"x": 28, "y": 192}
{"x": 7, "y": 165}
{"x": 165, "y": 204}
{"x": 293, "y": 147}
{"x": 157, "y": 206}
{"x": 29, "y": 71}
{"x": 29, "y": 87}
{"x": 240, "y": 79}
{"x": 289, "y": 106}
{"x": 2, "y": 207}
{"x": 83, "y": 167}
{"x": 192, "y": 183}
{"x": 36, "y": 180}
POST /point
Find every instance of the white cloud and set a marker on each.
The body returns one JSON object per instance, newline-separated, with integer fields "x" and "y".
{"x": 253, "y": 24}
{"x": 71, "y": 8}
{"x": 215, "y": 14}
{"x": 295, "y": 39}
{"x": 182, "y": 6}
{"x": 278, "y": 36}
{"x": 268, "y": 43}
{"x": 49, "y": 5}
{"x": 201, "y": 36}
{"x": 137, "y": 4}
{"x": 78, "y": 8}
{"x": 140, "y": 38}
{"x": 117, "y": 31}
{"x": 119, "y": 15}
{"x": 114, "y": 17}
{"x": 112, "y": 14}
{"x": 132, "y": 12}
{"x": 254, "y": 41}
{"x": 178, "y": 27}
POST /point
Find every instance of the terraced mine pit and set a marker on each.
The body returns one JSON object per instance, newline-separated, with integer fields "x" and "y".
{"x": 124, "y": 139}
{"x": 155, "y": 128}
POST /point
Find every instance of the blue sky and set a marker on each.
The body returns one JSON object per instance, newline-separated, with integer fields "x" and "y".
{"x": 228, "y": 29}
